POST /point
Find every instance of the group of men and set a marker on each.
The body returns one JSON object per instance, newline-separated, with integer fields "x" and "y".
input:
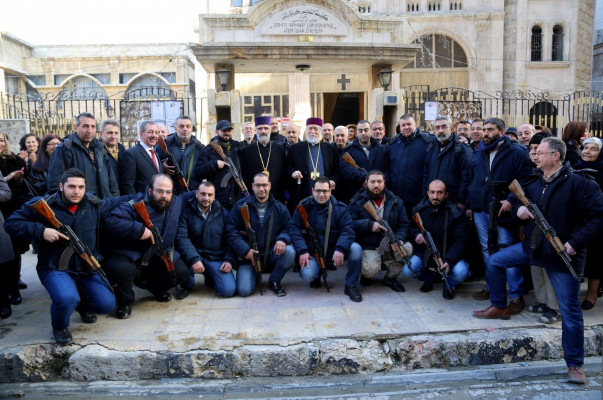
{"x": 169, "y": 208}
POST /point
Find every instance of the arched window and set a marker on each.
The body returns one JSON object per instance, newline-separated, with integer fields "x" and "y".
{"x": 149, "y": 86}
{"x": 557, "y": 43}
{"x": 82, "y": 88}
{"x": 536, "y": 44}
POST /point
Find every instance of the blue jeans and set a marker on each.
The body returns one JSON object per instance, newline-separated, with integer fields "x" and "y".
{"x": 246, "y": 272}
{"x": 68, "y": 292}
{"x": 458, "y": 273}
{"x": 566, "y": 288}
{"x": 354, "y": 257}
{"x": 505, "y": 238}
{"x": 223, "y": 283}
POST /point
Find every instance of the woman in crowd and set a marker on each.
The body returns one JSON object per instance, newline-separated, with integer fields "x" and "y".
{"x": 574, "y": 134}
{"x": 592, "y": 158}
{"x": 6, "y": 255}
{"x": 29, "y": 144}
{"x": 39, "y": 169}
{"x": 13, "y": 168}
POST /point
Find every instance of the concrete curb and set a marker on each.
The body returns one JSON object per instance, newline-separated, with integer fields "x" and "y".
{"x": 336, "y": 356}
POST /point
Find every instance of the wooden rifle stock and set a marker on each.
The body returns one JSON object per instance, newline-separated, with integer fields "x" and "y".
{"x": 141, "y": 209}
{"x": 178, "y": 173}
{"x": 304, "y": 216}
{"x": 44, "y": 210}
{"x": 369, "y": 208}
{"x": 253, "y": 243}
{"x": 427, "y": 236}
{"x": 348, "y": 158}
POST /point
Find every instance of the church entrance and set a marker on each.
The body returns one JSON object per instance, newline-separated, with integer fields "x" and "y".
{"x": 343, "y": 108}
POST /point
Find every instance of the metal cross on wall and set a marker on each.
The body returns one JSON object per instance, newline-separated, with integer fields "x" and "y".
{"x": 343, "y": 81}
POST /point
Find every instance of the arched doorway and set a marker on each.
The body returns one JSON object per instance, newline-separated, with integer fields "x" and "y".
{"x": 545, "y": 114}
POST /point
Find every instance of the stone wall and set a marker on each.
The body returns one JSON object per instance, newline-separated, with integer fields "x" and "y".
{"x": 15, "y": 129}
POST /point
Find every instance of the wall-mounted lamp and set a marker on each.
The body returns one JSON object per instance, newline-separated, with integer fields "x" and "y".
{"x": 223, "y": 77}
{"x": 385, "y": 78}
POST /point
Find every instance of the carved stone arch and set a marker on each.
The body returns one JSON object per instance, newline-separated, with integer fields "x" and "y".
{"x": 470, "y": 52}
{"x": 342, "y": 9}
{"x": 99, "y": 83}
{"x": 94, "y": 92}
{"x": 156, "y": 75}
{"x": 160, "y": 89}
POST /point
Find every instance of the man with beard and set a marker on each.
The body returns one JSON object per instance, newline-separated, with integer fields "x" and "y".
{"x": 131, "y": 261}
{"x": 406, "y": 155}
{"x": 71, "y": 286}
{"x": 267, "y": 157}
{"x": 309, "y": 160}
{"x": 270, "y": 221}
{"x": 83, "y": 151}
{"x": 339, "y": 230}
{"x": 275, "y": 136}
{"x": 186, "y": 150}
{"x": 463, "y": 131}
{"x": 202, "y": 244}
{"x": 327, "y": 133}
{"x": 496, "y": 163}
{"x": 110, "y": 138}
{"x": 213, "y": 168}
{"x": 340, "y": 137}
{"x": 448, "y": 160}
{"x": 367, "y": 153}
{"x": 378, "y": 132}
{"x": 447, "y": 224}
{"x": 369, "y": 232}
{"x": 138, "y": 164}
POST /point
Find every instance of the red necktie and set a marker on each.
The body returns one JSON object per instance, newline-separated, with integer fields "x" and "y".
{"x": 154, "y": 159}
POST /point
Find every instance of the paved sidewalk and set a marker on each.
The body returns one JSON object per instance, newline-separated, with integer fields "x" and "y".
{"x": 204, "y": 322}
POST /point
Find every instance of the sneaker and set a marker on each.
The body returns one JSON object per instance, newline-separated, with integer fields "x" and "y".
{"x": 576, "y": 375}
{"x": 276, "y": 288}
{"x": 538, "y": 308}
{"x": 516, "y": 305}
{"x": 62, "y": 336}
{"x": 483, "y": 294}
{"x": 550, "y": 316}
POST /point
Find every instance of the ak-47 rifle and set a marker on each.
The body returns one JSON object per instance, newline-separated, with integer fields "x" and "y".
{"x": 435, "y": 253}
{"x": 543, "y": 225}
{"x": 75, "y": 244}
{"x": 158, "y": 246}
{"x": 348, "y": 158}
{"x": 389, "y": 237}
{"x": 315, "y": 247}
{"x": 171, "y": 160}
{"x": 234, "y": 172}
{"x": 252, "y": 239}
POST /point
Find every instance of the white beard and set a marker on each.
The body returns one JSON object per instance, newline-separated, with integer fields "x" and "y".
{"x": 263, "y": 139}
{"x": 313, "y": 140}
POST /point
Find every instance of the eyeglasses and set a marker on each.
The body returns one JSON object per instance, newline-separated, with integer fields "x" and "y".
{"x": 53, "y": 144}
{"x": 261, "y": 185}
{"x": 322, "y": 191}
{"x": 159, "y": 191}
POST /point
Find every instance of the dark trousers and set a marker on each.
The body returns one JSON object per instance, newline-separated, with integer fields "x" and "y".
{"x": 123, "y": 273}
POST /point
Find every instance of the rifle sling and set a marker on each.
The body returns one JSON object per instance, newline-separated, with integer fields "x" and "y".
{"x": 327, "y": 230}
{"x": 267, "y": 249}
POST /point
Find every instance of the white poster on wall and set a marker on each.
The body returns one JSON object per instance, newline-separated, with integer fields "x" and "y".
{"x": 431, "y": 110}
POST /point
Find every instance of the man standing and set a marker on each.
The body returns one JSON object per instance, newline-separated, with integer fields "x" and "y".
{"x": 406, "y": 161}
{"x": 186, "y": 149}
{"x": 275, "y": 136}
{"x": 110, "y": 138}
{"x": 267, "y": 157}
{"x": 336, "y": 236}
{"x": 202, "y": 244}
{"x": 248, "y": 133}
{"x": 292, "y": 132}
{"x": 138, "y": 164}
{"x": 164, "y": 132}
{"x": 270, "y": 221}
{"x": 309, "y": 160}
{"x": 340, "y": 137}
{"x": 448, "y": 160}
{"x": 463, "y": 131}
{"x": 556, "y": 187}
{"x": 71, "y": 284}
{"x": 213, "y": 168}
{"x": 83, "y": 151}
{"x": 368, "y": 154}
{"x": 525, "y": 133}
{"x": 136, "y": 255}
{"x": 496, "y": 163}
{"x": 447, "y": 224}
{"x": 477, "y": 133}
{"x": 390, "y": 208}
{"x": 327, "y": 133}
{"x": 378, "y": 132}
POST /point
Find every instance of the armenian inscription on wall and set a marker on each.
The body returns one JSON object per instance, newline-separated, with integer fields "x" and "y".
{"x": 304, "y": 20}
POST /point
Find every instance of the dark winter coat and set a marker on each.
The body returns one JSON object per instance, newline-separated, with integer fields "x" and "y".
{"x": 113, "y": 162}
{"x": 352, "y": 178}
{"x": 136, "y": 168}
{"x": 186, "y": 159}
{"x": 277, "y": 167}
{"x": 394, "y": 213}
{"x": 7, "y": 253}
{"x": 71, "y": 153}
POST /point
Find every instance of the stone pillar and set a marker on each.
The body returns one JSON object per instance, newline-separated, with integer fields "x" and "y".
{"x": 300, "y": 108}
{"x": 49, "y": 72}
{"x": 375, "y": 104}
{"x": 482, "y": 48}
{"x": 114, "y": 66}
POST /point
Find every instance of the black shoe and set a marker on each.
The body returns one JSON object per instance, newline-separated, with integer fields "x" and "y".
{"x": 88, "y": 317}
{"x": 364, "y": 281}
{"x": 587, "y": 305}
{"x": 181, "y": 293}
{"x": 277, "y": 289}
{"x": 163, "y": 297}
{"x": 62, "y": 336}
{"x": 393, "y": 284}
{"x": 315, "y": 284}
{"x": 22, "y": 285}
{"x": 448, "y": 294}
{"x": 427, "y": 287}
{"x": 6, "y": 311}
{"x": 16, "y": 298}
{"x": 331, "y": 267}
{"x": 353, "y": 294}
{"x": 123, "y": 312}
